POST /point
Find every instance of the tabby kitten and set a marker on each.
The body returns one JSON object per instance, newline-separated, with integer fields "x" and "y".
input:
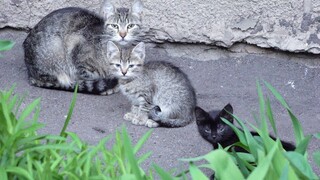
{"x": 68, "y": 46}
{"x": 215, "y": 131}
{"x": 160, "y": 93}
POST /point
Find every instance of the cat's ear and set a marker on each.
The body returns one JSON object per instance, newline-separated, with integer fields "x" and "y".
{"x": 139, "y": 51}
{"x": 112, "y": 49}
{"x": 226, "y": 113}
{"x": 137, "y": 8}
{"x": 107, "y": 9}
{"x": 201, "y": 115}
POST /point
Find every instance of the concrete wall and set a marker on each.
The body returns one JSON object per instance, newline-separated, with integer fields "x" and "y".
{"x": 289, "y": 25}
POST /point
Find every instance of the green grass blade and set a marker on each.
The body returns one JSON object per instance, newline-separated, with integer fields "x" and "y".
{"x": 261, "y": 171}
{"x": 49, "y": 147}
{"x": 252, "y": 144}
{"x": 199, "y": 158}
{"x": 12, "y": 103}
{"x": 25, "y": 113}
{"x": 196, "y": 173}
{"x": 303, "y": 145}
{"x": 277, "y": 95}
{"x": 144, "y": 157}
{"x": 262, "y": 123}
{"x": 6, "y": 114}
{"x": 141, "y": 141}
{"x": 223, "y": 165}
{"x": 20, "y": 172}
{"x": 298, "y": 132}
{"x": 3, "y": 174}
{"x": 316, "y": 157}
{"x": 73, "y": 102}
{"x": 128, "y": 177}
{"x": 241, "y": 163}
{"x": 271, "y": 117}
{"x": 6, "y": 45}
{"x": 238, "y": 132}
{"x": 75, "y": 138}
{"x": 162, "y": 173}
{"x": 130, "y": 154}
{"x": 29, "y": 109}
{"x": 285, "y": 172}
{"x": 301, "y": 164}
{"x": 317, "y": 135}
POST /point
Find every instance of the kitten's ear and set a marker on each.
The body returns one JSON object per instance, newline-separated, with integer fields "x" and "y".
{"x": 139, "y": 51}
{"x": 112, "y": 49}
{"x": 137, "y": 8}
{"x": 201, "y": 115}
{"x": 107, "y": 9}
{"x": 226, "y": 113}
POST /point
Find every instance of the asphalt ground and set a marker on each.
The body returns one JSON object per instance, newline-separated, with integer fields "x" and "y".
{"x": 230, "y": 78}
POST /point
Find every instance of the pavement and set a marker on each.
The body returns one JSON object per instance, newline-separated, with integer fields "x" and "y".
{"x": 230, "y": 78}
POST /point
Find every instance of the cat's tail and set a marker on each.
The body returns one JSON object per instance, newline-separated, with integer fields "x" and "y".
{"x": 286, "y": 145}
{"x": 163, "y": 118}
{"x": 102, "y": 86}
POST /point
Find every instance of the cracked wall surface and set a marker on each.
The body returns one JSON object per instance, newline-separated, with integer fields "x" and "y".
{"x": 286, "y": 25}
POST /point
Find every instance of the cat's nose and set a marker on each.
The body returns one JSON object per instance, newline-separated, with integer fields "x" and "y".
{"x": 122, "y": 34}
{"x": 124, "y": 72}
{"x": 214, "y": 136}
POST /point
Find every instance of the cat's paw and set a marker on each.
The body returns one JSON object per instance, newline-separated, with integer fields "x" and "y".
{"x": 151, "y": 124}
{"x": 116, "y": 89}
{"x": 109, "y": 92}
{"x": 138, "y": 121}
{"x": 129, "y": 116}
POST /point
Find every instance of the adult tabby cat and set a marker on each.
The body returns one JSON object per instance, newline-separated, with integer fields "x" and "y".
{"x": 215, "y": 131}
{"x": 160, "y": 93}
{"x": 68, "y": 46}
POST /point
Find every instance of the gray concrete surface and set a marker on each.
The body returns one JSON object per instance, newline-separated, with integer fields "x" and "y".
{"x": 287, "y": 25}
{"x": 226, "y": 78}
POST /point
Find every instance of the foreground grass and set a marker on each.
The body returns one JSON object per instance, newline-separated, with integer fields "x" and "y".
{"x": 27, "y": 155}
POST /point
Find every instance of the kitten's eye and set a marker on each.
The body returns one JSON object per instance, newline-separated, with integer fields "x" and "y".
{"x": 207, "y": 130}
{"x": 114, "y": 26}
{"x": 131, "y": 66}
{"x": 117, "y": 65}
{"x": 130, "y": 26}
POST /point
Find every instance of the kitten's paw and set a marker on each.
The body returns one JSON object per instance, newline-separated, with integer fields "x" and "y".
{"x": 151, "y": 124}
{"x": 109, "y": 92}
{"x": 139, "y": 122}
{"x": 116, "y": 89}
{"x": 129, "y": 116}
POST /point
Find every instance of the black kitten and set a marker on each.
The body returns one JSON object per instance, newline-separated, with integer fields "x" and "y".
{"x": 215, "y": 131}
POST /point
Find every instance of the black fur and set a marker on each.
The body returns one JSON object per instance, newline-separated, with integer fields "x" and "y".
{"x": 215, "y": 131}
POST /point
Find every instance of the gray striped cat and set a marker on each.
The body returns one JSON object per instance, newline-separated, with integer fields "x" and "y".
{"x": 160, "y": 93}
{"x": 68, "y": 46}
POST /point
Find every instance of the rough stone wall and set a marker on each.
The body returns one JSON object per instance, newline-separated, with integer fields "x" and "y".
{"x": 286, "y": 25}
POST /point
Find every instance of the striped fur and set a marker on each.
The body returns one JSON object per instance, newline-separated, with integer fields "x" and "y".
{"x": 68, "y": 47}
{"x": 160, "y": 93}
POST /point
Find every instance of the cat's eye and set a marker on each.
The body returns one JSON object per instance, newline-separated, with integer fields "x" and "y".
{"x": 131, "y": 66}
{"x": 130, "y": 26}
{"x": 207, "y": 130}
{"x": 114, "y": 26}
{"x": 117, "y": 65}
